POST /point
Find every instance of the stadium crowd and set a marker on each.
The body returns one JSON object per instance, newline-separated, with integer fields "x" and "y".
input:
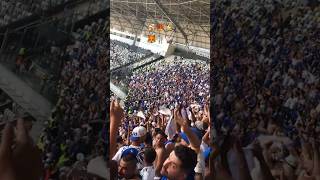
{"x": 11, "y": 11}
{"x": 154, "y": 85}
{"x": 266, "y": 89}
{"x": 121, "y": 54}
{"x": 74, "y": 139}
{"x": 162, "y": 130}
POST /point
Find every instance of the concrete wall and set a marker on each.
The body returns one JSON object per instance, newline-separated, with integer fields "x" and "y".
{"x": 170, "y": 50}
{"x": 117, "y": 91}
{"x": 159, "y": 47}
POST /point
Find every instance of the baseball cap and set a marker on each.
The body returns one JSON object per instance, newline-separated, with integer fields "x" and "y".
{"x": 137, "y": 133}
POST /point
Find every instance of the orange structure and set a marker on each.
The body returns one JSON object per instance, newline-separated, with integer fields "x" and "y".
{"x": 151, "y": 38}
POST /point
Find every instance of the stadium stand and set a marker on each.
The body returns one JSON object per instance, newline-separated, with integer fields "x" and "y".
{"x": 121, "y": 54}
{"x": 61, "y": 50}
{"x": 164, "y": 117}
{"x": 80, "y": 112}
{"x": 266, "y": 87}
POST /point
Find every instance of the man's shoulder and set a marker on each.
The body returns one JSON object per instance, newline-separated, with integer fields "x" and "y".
{"x": 117, "y": 156}
{"x": 123, "y": 148}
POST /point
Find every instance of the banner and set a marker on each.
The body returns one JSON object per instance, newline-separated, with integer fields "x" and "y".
{"x": 171, "y": 128}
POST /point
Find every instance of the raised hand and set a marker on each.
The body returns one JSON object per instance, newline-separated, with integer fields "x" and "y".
{"x": 116, "y": 111}
{"x": 244, "y": 173}
{"x": 265, "y": 170}
{"x": 116, "y": 115}
{"x": 6, "y": 162}
{"x": 257, "y": 149}
{"x": 17, "y": 156}
{"x": 316, "y": 159}
{"x": 178, "y": 117}
{"x": 194, "y": 140}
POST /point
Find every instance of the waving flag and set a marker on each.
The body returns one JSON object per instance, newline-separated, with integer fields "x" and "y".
{"x": 141, "y": 115}
{"x": 165, "y": 111}
{"x": 160, "y": 27}
{"x": 171, "y": 128}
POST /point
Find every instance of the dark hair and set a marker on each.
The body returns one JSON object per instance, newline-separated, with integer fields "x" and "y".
{"x": 161, "y": 133}
{"x": 119, "y": 139}
{"x": 130, "y": 158}
{"x": 174, "y": 138}
{"x": 156, "y": 130}
{"x": 149, "y": 155}
{"x": 187, "y": 156}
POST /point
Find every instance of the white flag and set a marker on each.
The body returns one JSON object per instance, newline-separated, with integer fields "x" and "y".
{"x": 171, "y": 128}
{"x": 141, "y": 115}
{"x": 165, "y": 111}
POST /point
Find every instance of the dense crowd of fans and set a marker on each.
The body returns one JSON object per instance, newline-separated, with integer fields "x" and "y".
{"x": 11, "y": 11}
{"x": 266, "y": 89}
{"x": 74, "y": 139}
{"x": 265, "y": 109}
{"x": 121, "y": 54}
{"x": 154, "y": 85}
{"x": 162, "y": 130}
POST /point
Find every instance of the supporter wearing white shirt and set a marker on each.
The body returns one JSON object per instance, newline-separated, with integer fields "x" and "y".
{"x": 136, "y": 138}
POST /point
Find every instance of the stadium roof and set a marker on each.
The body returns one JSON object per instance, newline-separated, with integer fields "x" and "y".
{"x": 190, "y": 19}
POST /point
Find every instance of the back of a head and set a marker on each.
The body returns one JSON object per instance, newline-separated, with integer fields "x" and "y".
{"x": 130, "y": 159}
{"x": 149, "y": 155}
{"x": 187, "y": 156}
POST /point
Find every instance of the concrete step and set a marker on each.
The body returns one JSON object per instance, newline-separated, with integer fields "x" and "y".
{"x": 31, "y": 101}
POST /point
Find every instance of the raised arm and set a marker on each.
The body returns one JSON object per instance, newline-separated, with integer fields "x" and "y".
{"x": 194, "y": 140}
{"x": 316, "y": 160}
{"x": 116, "y": 115}
{"x": 244, "y": 173}
{"x": 206, "y": 137}
{"x": 160, "y": 160}
{"x": 265, "y": 171}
